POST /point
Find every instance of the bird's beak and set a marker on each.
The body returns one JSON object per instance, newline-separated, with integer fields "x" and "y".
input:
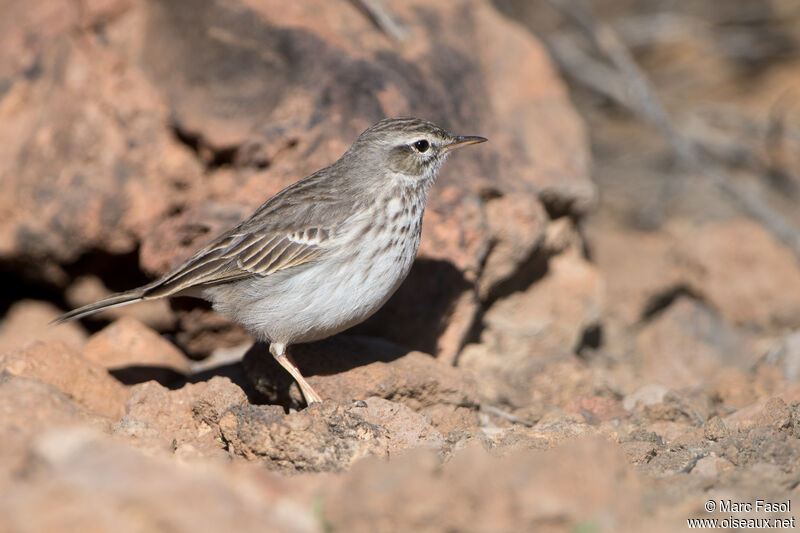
{"x": 458, "y": 142}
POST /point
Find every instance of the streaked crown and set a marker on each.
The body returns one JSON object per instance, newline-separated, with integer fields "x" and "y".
{"x": 409, "y": 146}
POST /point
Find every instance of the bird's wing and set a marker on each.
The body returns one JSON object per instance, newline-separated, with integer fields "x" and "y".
{"x": 241, "y": 254}
{"x": 294, "y": 227}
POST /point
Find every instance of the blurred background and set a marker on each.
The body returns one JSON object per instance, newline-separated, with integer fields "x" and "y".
{"x": 604, "y": 313}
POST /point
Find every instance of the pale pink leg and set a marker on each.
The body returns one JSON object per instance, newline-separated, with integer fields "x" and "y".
{"x": 278, "y": 351}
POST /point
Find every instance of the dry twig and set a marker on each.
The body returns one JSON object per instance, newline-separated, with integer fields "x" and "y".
{"x": 628, "y": 86}
{"x": 505, "y": 414}
{"x": 383, "y": 18}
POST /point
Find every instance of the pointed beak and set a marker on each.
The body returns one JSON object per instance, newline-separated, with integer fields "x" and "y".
{"x": 458, "y": 142}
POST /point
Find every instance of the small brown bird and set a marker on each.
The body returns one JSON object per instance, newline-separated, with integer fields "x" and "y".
{"x": 323, "y": 254}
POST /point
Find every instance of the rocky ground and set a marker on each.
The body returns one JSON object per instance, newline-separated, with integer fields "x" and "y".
{"x": 592, "y": 338}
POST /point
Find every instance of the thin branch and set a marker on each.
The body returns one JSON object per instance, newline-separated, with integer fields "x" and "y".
{"x": 505, "y": 414}
{"x": 383, "y": 18}
{"x": 640, "y": 94}
{"x": 641, "y": 99}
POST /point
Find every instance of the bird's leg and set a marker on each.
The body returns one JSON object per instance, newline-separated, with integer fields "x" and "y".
{"x": 278, "y": 351}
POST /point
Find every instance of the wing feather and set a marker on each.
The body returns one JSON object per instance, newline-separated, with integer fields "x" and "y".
{"x": 268, "y": 248}
{"x": 250, "y": 244}
{"x": 237, "y": 256}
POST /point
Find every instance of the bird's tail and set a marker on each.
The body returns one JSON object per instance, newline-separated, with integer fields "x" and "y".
{"x": 115, "y": 300}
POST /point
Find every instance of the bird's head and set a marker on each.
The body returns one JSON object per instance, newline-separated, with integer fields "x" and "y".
{"x": 410, "y": 148}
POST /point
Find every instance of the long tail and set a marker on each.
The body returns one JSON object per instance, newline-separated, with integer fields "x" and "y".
{"x": 115, "y": 300}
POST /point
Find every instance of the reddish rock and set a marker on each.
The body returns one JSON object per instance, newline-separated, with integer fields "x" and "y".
{"x": 746, "y": 275}
{"x": 129, "y": 343}
{"x": 90, "y": 159}
{"x": 29, "y": 320}
{"x": 344, "y": 368}
{"x": 636, "y": 266}
{"x": 665, "y": 426}
{"x": 687, "y": 344}
{"x": 553, "y": 429}
{"x": 185, "y": 420}
{"x": 80, "y": 379}
{"x": 649, "y": 394}
{"x": 715, "y": 429}
{"x": 597, "y": 408}
{"x": 77, "y": 480}
{"x": 710, "y": 467}
{"x": 746, "y": 417}
{"x": 555, "y": 310}
{"x": 762, "y": 434}
{"x": 406, "y": 428}
{"x": 735, "y": 265}
{"x": 673, "y": 408}
{"x": 533, "y": 379}
{"x": 460, "y": 321}
{"x": 327, "y": 437}
{"x": 735, "y": 389}
{"x": 29, "y": 407}
{"x": 639, "y": 452}
{"x": 517, "y": 228}
{"x": 449, "y": 419}
{"x": 775, "y": 413}
{"x": 562, "y": 234}
{"x": 322, "y": 437}
{"x": 560, "y": 489}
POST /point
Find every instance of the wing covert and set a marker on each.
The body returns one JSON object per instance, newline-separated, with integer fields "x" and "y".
{"x": 237, "y": 256}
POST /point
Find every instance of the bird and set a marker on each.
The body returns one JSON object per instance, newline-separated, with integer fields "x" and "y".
{"x": 321, "y": 255}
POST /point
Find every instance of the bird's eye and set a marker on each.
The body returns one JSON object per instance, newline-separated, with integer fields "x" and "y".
{"x": 422, "y": 146}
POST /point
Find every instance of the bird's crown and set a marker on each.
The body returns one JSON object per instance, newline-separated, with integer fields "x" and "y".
{"x": 410, "y": 146}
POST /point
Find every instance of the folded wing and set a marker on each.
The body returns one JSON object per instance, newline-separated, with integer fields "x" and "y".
{"x": 237, "y": 256}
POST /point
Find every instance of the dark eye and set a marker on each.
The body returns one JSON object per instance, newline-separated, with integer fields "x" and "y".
{"x": 422, "y": 146}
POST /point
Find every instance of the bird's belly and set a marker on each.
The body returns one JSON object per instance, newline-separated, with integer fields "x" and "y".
{"x": 326, "y": 297}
